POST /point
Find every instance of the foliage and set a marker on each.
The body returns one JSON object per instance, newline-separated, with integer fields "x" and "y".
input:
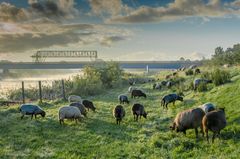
{"x": 189, "y": 72}
{"x": 228, "y": 56}
{"x": 220, "y": 77}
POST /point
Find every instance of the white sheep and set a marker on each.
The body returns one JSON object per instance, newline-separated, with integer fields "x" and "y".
{"x": 67, "y": 112}
{"x": 74, "y": 98}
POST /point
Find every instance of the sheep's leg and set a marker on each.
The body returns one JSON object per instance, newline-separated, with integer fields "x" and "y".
{"x": 201, "y": 127}
{"x": 31, "y": 116}
{"x": 137, "y": 118}
{"x": 76, "y": 120}
{"x": 166, "y": 105}
{"x": 173, "y": 103}
{"x": 196, "y": 132}
{"x": 22, "y": 116}
{"x": 184, "y": 131}
{"x": 35, "y": 116}
{"x": 214, "y": 134}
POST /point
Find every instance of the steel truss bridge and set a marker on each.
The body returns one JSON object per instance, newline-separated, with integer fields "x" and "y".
{"x": 40, "y": 56}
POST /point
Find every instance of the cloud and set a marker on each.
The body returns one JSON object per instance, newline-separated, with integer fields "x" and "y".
{"x": 178, "y": 9}
{"x": 53, "y": 8}
{"x": 108, "y": 41}
{"x": 108, "y": 7}
{"x": 10, "y": 13}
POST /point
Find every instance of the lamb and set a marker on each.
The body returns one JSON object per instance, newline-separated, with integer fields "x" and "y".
{"x": 207, "y": 107}
{"x": 118, "y": 113}
{"x": 138, "y": 110}
{"x": 169, "y": 99}
{"x": 30, "y": 109}
{"x": 123, "y": 99}
{"x": 67, "y": 112}
{"x": 74, "y": 98}
{"x": 188, "y": 119}
{"x": 138, "y": 93}
{"x": 89, "y": 105}
{"x": 196, "y": 82}
{"x": 80, "y": 107}
{"x": 214, "y": 121}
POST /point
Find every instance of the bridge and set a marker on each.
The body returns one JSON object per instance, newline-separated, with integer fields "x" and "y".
{"x": 78, "y": 65}
{"x": 40, "y": 56}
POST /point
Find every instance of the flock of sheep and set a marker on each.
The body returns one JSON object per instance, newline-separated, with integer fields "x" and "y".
{"x": 206, "y": 116}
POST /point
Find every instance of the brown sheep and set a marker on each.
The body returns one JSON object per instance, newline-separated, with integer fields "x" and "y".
{"x": 118, "y": 113}
{"x": 138, "y": 93}
{"x": 214, "y": 121}
{"x": 138, "y": 110}
{"x": 188, "y": 119}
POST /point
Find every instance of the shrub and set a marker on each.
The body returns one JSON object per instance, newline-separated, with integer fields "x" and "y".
{"x": 220, "y": 77}
{"x": 202, "y": 87}
{"x": 189, "y": 72}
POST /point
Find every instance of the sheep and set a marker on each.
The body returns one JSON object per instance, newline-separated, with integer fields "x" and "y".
{"x": 123, "y": 99}
{"x": 157, "y": 86}
{"x": 30, "y": 109}
{"x": 197, "y": 71}
{"x": 207, "y": 107}
{"x": 67, "y": 112}
{"x": 174, "y": 74}
{"x": 168, "y": 76}
{"x": 196, "y": 82}
{"x": 192, "y": 66}
{"x": 188, "y": 119}
{"x": 74, "y": 98}
{"x": 80, "y": 107}
{"x": 138, "y": 110}
{"x": 118, "y": 113}
{"x": 169, "y": 84}
{"x": 138, "y": 93}
{"x": 214, "y": 121}
{"x": 89, "y": 105}
{"x": 163, "y": 83}
{"x": 169, "y": 99}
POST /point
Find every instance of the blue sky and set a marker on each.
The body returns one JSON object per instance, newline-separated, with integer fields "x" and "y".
{"x": 119, "y": 29}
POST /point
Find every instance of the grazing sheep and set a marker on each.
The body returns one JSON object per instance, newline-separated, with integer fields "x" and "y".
{"x": 196, "y": 82}
{"x": 74, "y": 98}
{"x": 169, "y": 99}
{"x": 118, "y": 113}
{"x": 197, "y": 71}
{"x": 30, "y": 109}
{"x": 188, "y": 119}
{"x": 80, "y": 107}
{"x": 157, "y": 86}
{"x": 89, "y": 105}
{"x": 163, "y": 83}
{"x": 174, "y": 74}
{"x": 123, "y": 99}
{"x": 138, "y": 110}
{"x": 67, "y": 112}
{"x": 207, "y": 107}
{"x": 214, "y": 121}
{"x": 192, "y": 66}
{"x": 169, "y": 84}
{"x": 138, "y": 93}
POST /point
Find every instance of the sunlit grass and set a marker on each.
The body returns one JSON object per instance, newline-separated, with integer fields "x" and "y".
{"x": 98, "y": 136}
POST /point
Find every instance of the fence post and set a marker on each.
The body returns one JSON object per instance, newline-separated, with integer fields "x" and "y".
{"x": 23, "y": 93}
{"x": 40, "y": 91}
{"x": 63, "y": 90}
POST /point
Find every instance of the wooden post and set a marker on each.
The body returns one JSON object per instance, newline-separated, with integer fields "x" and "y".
{"x": 63, "y": 90}
{"x": 23, "y": 93}
{"x": 40, "y": 91}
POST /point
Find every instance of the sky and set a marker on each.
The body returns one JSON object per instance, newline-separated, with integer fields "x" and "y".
{"x": 119, "y": 29}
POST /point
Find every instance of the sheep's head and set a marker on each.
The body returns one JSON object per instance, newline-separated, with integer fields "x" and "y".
{"x": 180, "y": 98}
{"x": 173, "y": 126}
{"x": 43, "y": 114}
{"x": 145, "y": 115}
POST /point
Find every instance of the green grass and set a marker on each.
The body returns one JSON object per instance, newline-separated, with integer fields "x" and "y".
{"x": 98, "y": 136}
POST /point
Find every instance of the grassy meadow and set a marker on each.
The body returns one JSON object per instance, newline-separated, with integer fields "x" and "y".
{"x": 99, "y": 137}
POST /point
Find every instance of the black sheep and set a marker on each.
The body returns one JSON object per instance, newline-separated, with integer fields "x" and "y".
{"x": 118, "y": 113}
{"x": 89, "y": 105}
{"x": 138, "y": 110}
{"x": 138, "y": 93}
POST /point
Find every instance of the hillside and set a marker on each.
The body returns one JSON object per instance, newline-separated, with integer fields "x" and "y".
{"x": 99, "y": 137}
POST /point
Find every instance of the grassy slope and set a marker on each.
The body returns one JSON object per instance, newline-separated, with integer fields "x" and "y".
{"x": 99, "y": 136}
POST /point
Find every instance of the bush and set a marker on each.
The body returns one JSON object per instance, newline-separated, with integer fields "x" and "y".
{"x": 220, "y": 77}
{"x": 202, "y": 87}
{"x": 189, "y": 72}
